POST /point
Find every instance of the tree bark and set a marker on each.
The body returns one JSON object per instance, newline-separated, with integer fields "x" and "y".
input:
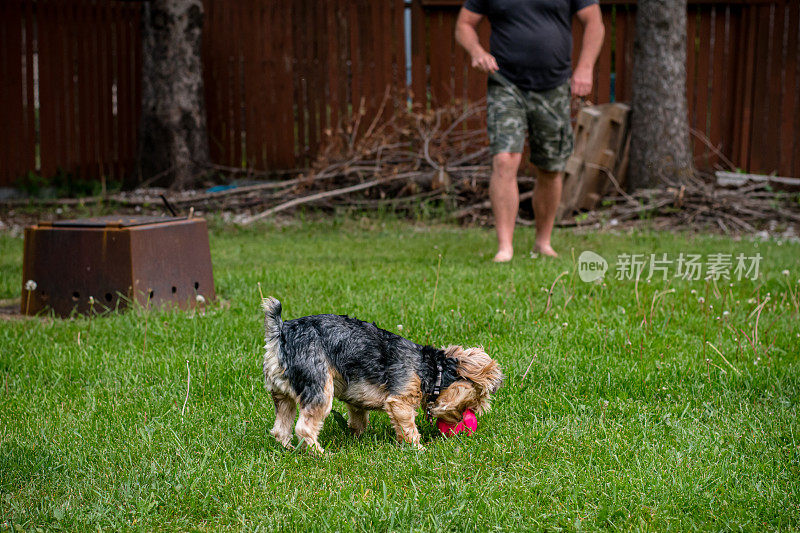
{"x": 660, "y": 149}
{"x": 173, "y": 143}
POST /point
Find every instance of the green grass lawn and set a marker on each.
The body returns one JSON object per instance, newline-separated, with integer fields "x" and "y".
{"x": 616, "y": 411}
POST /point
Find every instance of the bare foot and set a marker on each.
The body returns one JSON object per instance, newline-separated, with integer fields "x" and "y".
{"x": 503, "y": 256}
{"x": 545, "y": 249}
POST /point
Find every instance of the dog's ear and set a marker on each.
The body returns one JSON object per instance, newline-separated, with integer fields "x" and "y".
{"x": 475, "y": 365}
{"x": 452, "y": 400}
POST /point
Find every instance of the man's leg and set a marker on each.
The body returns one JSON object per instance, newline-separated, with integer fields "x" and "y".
{"x": 546, "y": 197}
{"x": 504, "y": 194}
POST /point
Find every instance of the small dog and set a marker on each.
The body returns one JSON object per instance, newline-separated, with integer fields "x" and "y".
{"x": 311, "y": 360}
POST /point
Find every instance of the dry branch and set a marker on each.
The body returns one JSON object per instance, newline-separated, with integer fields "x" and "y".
{"x": 409, "y": 155}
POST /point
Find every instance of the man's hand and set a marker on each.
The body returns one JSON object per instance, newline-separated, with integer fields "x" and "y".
{"x": 581, "y": 82}
{"x": 593, "y": 32}
{"x": 467, "y": 36}
{"x": 484, "y": 61}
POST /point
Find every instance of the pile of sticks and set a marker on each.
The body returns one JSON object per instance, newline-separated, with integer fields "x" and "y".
{"x": 699, "y": 203}
{"x": 401, "y": 156}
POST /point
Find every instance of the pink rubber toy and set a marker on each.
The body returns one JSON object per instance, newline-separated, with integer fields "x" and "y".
{"x": 468, "y": 425}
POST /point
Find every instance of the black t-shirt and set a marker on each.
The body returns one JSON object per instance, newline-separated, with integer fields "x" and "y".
{"x": 531, "y": 39}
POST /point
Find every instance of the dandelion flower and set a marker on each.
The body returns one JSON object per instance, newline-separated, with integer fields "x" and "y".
{"x": 400, "y": 327}
{"x": 30, "y": 285}
{"x": 785, "y": 272}
{"x": 200, "y": 299}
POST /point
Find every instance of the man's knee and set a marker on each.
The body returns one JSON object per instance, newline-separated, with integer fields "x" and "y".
{"x": 505, "y": 165}
{"x": 547, "y": 175}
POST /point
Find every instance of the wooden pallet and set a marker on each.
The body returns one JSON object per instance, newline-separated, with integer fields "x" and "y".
{"x": 601, "y": 148}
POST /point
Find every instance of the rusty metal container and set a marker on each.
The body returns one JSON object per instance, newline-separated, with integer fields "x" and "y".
{"x": 104, "y": 263}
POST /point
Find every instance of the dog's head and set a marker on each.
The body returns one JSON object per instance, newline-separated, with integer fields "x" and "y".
{"x": 480, "y": 377}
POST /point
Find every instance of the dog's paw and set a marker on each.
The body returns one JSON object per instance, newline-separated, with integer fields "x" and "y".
{"x": 313, "y": 447}
{"x": 283, "y": 438}
{"x": 356, "y": 431}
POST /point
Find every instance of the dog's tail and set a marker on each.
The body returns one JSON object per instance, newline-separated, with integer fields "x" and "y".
{"x": 272, "y": 318}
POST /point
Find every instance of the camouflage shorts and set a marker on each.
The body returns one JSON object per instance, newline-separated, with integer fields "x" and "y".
{"x": 545, "y": 116}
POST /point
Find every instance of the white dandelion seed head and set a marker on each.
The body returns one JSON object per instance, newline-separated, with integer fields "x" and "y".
{"x": 91, "y": 300}
{"x": 694, "y": 291}
{"x": 726, "y": 313}
{"x": 400, "y": 327}
{"x": 200, "y": 299}
{"x": 785, "y": 272}
{"x": 30, "y": 285}
{"x": 701, "y": 300}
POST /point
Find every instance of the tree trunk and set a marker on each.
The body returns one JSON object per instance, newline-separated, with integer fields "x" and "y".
{"x": 660, "y": 150}
{"x": 173, "y": 142}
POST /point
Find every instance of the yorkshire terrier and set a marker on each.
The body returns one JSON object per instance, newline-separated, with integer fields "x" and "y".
{"x": 312, "y": 359}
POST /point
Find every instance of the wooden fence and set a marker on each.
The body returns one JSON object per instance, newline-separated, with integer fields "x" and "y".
{"x": 69, "y": 87}
{"x": 280, "y": 75}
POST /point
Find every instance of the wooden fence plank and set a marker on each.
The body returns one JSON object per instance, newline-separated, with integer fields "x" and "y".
{"x": 775, "y": 74}
{"x": 31, "y": 139}
{"x": 87, "y": 96}
{"x": 119, "y": 90}
{"x": 691, "y": 63}
{"x": 789, "y": 100}
{"x": 743, "y": 131}
{"x": 64, "y": 70}
{"x": 701, "y": 84}
{"x": 603, "y": 67}
{"x": 333, "y": 64}
{"x": 125, "y": 92}
{"x": 285, "y": 85}
{"x": 99, "y": 68}
{"x": 794, "y": 29}
{"x": 398, "y": 15}
{"x": 11, "y": 93}
{"x": 136, "y": 74}
{"x": 760, "y": 105}
{"x": 419, "y": 53}
{"x": 51, "y": 87}
{"x": 717, "y": 74}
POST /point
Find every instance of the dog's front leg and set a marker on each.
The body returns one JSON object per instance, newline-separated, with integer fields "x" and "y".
{"x": 402, "y": 413}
